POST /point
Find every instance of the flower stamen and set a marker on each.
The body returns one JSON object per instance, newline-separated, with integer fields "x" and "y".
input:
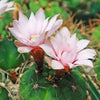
{"x": 34, "y": 36}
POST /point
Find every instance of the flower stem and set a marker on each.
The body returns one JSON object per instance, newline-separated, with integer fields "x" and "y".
{"x": 38, "y": 54}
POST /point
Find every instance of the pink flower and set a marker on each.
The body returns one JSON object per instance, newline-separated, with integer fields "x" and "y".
{"x": 67, "y": 51}
{"x": 33, "y": 32}
{"x": 4, "y": 6}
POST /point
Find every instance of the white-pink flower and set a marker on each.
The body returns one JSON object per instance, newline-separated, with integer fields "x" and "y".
{"x": 33, "y": 31}
{"x": 67, "y": 51}
{"x": 5, "y": 6}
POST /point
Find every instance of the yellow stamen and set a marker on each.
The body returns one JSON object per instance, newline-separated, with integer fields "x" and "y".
{"x": 34, "y": 36}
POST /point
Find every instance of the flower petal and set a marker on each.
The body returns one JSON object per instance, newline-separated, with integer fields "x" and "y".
{"x": 32, "y": 24}
{"x": 56, "y": 45}
{"x": 84, "y": 62}
{"x": 45, "y": 23}
{"x": 38, "y": 27}
{"x": 48, "y": 60}
{"x": 51, "y": 22}
{"x": 56, "y": 25}
{"x": 56, "y": 65}
{"x": 6, "y": 6}
{"x": 3, "y": 1}
{"x": 40, "y": 40}
{"x": 40, "y": 15}
{"x": 16, "y": 33}
{"x": 86, "y": 54}
{"x": 9, "y": 5}
{"x": 24, "y": 49}
{"x": 70, "y": 45}
{"x": 19, "y": 37}
{"x": 19, "y": 44}
{"x": 67, "y": 57}
{"x": 71, "y": 65}
{"x": 65, "y": 32}
{"x": 82, "y": 44}
{"x": 2, "y": 10}
{"x": 48, "y": 50}
{"x": 73, "y": 39}
{"x": 22, "y": 18}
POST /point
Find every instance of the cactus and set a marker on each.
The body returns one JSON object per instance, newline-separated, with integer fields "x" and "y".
{"x": 8, "y": 55}
{"x": 42, "y": 86}
{"x": 3, "y": 94}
